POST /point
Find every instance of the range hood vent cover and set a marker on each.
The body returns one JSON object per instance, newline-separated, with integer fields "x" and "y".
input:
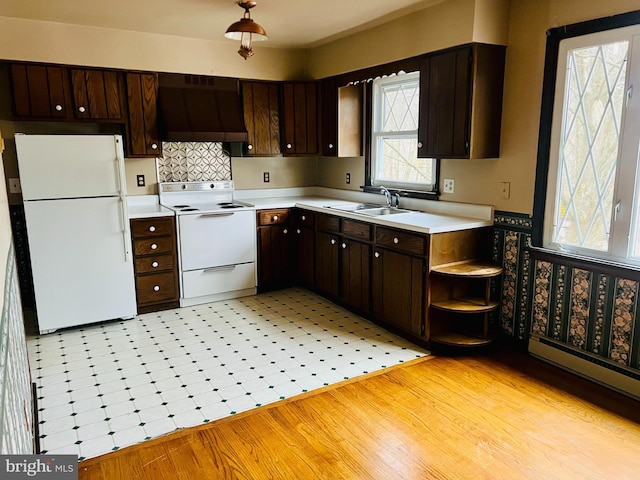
{"x": 198, "y": 108}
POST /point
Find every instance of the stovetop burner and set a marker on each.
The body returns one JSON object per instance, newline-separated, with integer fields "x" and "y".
{"x": 199, "y": 197}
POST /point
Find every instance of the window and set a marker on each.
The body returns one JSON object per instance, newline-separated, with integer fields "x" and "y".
{"x": 593, "y": 190}
{"x": 394, "y": 135}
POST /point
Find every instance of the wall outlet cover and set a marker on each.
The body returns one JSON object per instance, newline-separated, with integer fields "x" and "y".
{"x": 266, "y": 177}
{"x": 448, "y": 185}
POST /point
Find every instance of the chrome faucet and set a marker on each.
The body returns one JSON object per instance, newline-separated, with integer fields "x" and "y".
{"x": 387, "y": 195}
{"x": 397, "y": 195}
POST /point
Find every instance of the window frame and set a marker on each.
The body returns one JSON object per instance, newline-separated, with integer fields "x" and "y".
{"x": 375, "y": 133}
{"x": 541, "y": 188}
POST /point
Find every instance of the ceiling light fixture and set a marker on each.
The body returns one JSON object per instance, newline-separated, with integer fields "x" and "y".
{"x": 246, "y": 30}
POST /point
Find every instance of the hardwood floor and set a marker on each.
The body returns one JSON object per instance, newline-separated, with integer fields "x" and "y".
{"x": 502, "y": 416}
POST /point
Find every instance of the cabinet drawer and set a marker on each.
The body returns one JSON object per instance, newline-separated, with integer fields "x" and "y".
{"x": 156, "y": 288}
{"x": 304, "y": 217}
{"x": 148, "y": 246}
{"x": 401, "y": 240}
{"x": 147, "y": 227}
{"x": 355, "y": 229}
{"x": 273, "y": 217}
{"x": 154, "y": 263}
{"x": 328, "y": 223}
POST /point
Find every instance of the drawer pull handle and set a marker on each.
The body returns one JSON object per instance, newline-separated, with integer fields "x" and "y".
{"x": 154, "y": 146}
{"x": 152, "y": 228}
{"x": 288, "y": 145}
{"x": 285, "y": 231}
{"x": 297, "y": 230}
{"x": 156, "y": 288}
{"x": 82, "y": 109}
{"x": 396, "y": 240}
{"x": 58, "y": 108}
{"x": 249, "y": 147}
{"x": 333, "y": 241}
{"x": 154, "y": 246}
{"x": 275, "y": 218}
{"x": 154, "y": 264}
{"x": 377, "y": 254}
{"x": 225, "y": 268}
{"x": 344, "y": 245}
{"x": 304, "y": 218}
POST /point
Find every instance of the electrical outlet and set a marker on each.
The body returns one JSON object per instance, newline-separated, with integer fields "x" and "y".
{"x": 14, "y": 185}
{"x": 447, "y": 186}
{"x": 140, "y": 180}
{"x": 265, "y": 177}
{"x": 348, "y": 178}
{"x": 505, "y": 190}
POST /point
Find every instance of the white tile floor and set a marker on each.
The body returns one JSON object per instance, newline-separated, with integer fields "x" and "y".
{"x": 105, "y": 386}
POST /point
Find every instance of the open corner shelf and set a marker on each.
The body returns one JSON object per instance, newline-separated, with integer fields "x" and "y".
{"x": 465, "y": 290}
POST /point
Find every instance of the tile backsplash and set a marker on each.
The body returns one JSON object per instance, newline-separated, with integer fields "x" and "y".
{"x": 193, "y": 161}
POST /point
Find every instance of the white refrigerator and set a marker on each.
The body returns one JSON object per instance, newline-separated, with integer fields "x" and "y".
{"x": 74, "y": 193}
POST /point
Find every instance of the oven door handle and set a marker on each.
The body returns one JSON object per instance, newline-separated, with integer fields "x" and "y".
{"x": 206, "y": 215}
{"x": 225, "y": 268}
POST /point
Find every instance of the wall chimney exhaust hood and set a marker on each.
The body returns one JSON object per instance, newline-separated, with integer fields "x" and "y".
{"x": 198, "y": 108}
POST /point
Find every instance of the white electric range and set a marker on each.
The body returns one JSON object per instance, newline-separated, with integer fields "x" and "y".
{"x": 216, "y": 240}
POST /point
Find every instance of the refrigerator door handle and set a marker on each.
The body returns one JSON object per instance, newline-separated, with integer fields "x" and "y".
{"x": 120, "y": 169}
{"x": 126, "y": 234}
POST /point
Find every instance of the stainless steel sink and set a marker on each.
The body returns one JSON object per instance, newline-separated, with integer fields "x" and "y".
{"x": 356, "y": 207}
{"x": 374, "y": 212}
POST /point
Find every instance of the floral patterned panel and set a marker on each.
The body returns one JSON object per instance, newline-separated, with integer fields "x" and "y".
{"x": 193, "y": 161}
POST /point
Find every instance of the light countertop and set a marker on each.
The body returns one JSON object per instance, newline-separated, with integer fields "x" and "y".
{"x": 417, "y": 221}
{"x": 146, "y": 206}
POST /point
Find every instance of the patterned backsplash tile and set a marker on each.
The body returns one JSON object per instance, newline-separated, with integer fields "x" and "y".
{"x": 193, "y": 161}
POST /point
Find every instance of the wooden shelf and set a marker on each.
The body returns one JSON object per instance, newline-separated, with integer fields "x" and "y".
{"x": 456, "y": 339}
{"x": 464, "y": 288}
{"x": 466, "y": 305}
{"x": 468, "y": 270}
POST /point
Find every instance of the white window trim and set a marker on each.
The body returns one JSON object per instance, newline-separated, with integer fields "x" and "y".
{"x": 376, "y": 134}
{"x": 620, "y": 228}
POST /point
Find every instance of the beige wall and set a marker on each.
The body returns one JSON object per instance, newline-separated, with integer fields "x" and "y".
{"x": 284, "y": 172}
{"x": 91, "y": 46}
{"x": 426, "y": 30}
{"x": 5, "y": 232}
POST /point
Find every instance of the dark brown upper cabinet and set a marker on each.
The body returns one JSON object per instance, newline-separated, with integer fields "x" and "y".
{"x": 97, "y": 94}
{"x": 40, "y": 91}
{"x": 261, "y": 105}
{"x": 461, "y": 102}
{"x": 142, "y": 124}
{"x": 341, "y": 119}
{"x": 299, "y": 129}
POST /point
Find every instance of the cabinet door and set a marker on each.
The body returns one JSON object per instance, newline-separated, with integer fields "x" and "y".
{"x": 355, "y": 274}
{"x": 329, "y": 115}
{"x": 445, "y": 83}
{"x": 299, "y": 125}
{"x": 261, "y": 102}
{"x": 305, "y": 254}
{"x": 40, "y": 91}
{"x": 341, "y": 114}
{"x": 327, "y": 255}
{"x": 96, "y": 94}
{"x": 142, "y": 125}
{"x": 397, "y": 290}
{"x": 274, "y": 257}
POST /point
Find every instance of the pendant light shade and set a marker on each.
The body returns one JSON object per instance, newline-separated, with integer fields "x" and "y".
{"x": 246, "y": 30}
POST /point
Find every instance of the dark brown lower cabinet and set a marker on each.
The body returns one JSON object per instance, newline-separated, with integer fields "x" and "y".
{"x": 397, "y": 290}
{"x": 304, "y": 256}
{"x": 355, "y": 274}
{"x": 327, "y": 257}
{"x": 274, "y": 257}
